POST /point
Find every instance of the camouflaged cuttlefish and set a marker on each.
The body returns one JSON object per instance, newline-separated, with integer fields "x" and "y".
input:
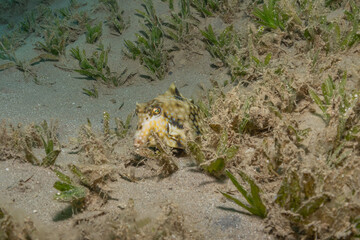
{"x": 173, "y": 118}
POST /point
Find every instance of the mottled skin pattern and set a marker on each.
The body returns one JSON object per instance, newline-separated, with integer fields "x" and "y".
{"x": 170, "y": 116}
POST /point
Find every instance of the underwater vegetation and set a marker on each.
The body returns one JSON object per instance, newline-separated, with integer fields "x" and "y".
{"x": 206, "y": 8}
{"x": 55, "y": 42}
{"x": 32, "y": 19}
{"x": 8, "y": 53}
{"x": 69, "y": 192}
{"x": 149, "y": 44}
{"x": 211, "y": 8}
{"x": 96, "y": 67}
{"x": 226, "y": 46}
{"x": 222, "y": 45}
{"x": 348, "y": 38}
{"x": 93, "y": 33}
{"x": 116, "y": 20}
{"x": 57, "y": 27}
{"x": 345, "y": 123}
{"x": 19, "y": 142}
{"x": 223, "y": 155}
{"x": 180, "y": 23}
{"x": 268, "y": 136}
{"x": 98, "y": 148}
{"x": 64, "y": 26}
{"x": 299, "y": 199}
{"x": 91, "y": 92}
{"x": 271, "y": 16}
{"x": 256, "y": 205}
{"x": 77, "y": 190}
{"x": 50, "y": 143}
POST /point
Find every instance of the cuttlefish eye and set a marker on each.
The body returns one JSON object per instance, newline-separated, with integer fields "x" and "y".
{"x": 156, "y": 111}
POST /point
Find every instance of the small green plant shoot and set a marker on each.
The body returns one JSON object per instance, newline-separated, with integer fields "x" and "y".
{"x": 224, "y": 154}
{"x": 149, "y": 46}
{"x": 330, "y": 93}
{"x": 93, "y": 33}
{"x": 179, "y": 23}
{"x": 96, "y": 67}
{"x": 270, "y": 16}
{"x": 49, "y": 140}
{"x": 69, "y": 192}
{"x": 123, "y": 128}
{"x": 299, "y": 195}
{"x": 55, "y": 41}
{"x": 206, "y": 7}
{"x": 255, "y": 204}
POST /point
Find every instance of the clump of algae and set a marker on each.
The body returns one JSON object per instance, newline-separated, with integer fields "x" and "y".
{"x": 305, "y": 192}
